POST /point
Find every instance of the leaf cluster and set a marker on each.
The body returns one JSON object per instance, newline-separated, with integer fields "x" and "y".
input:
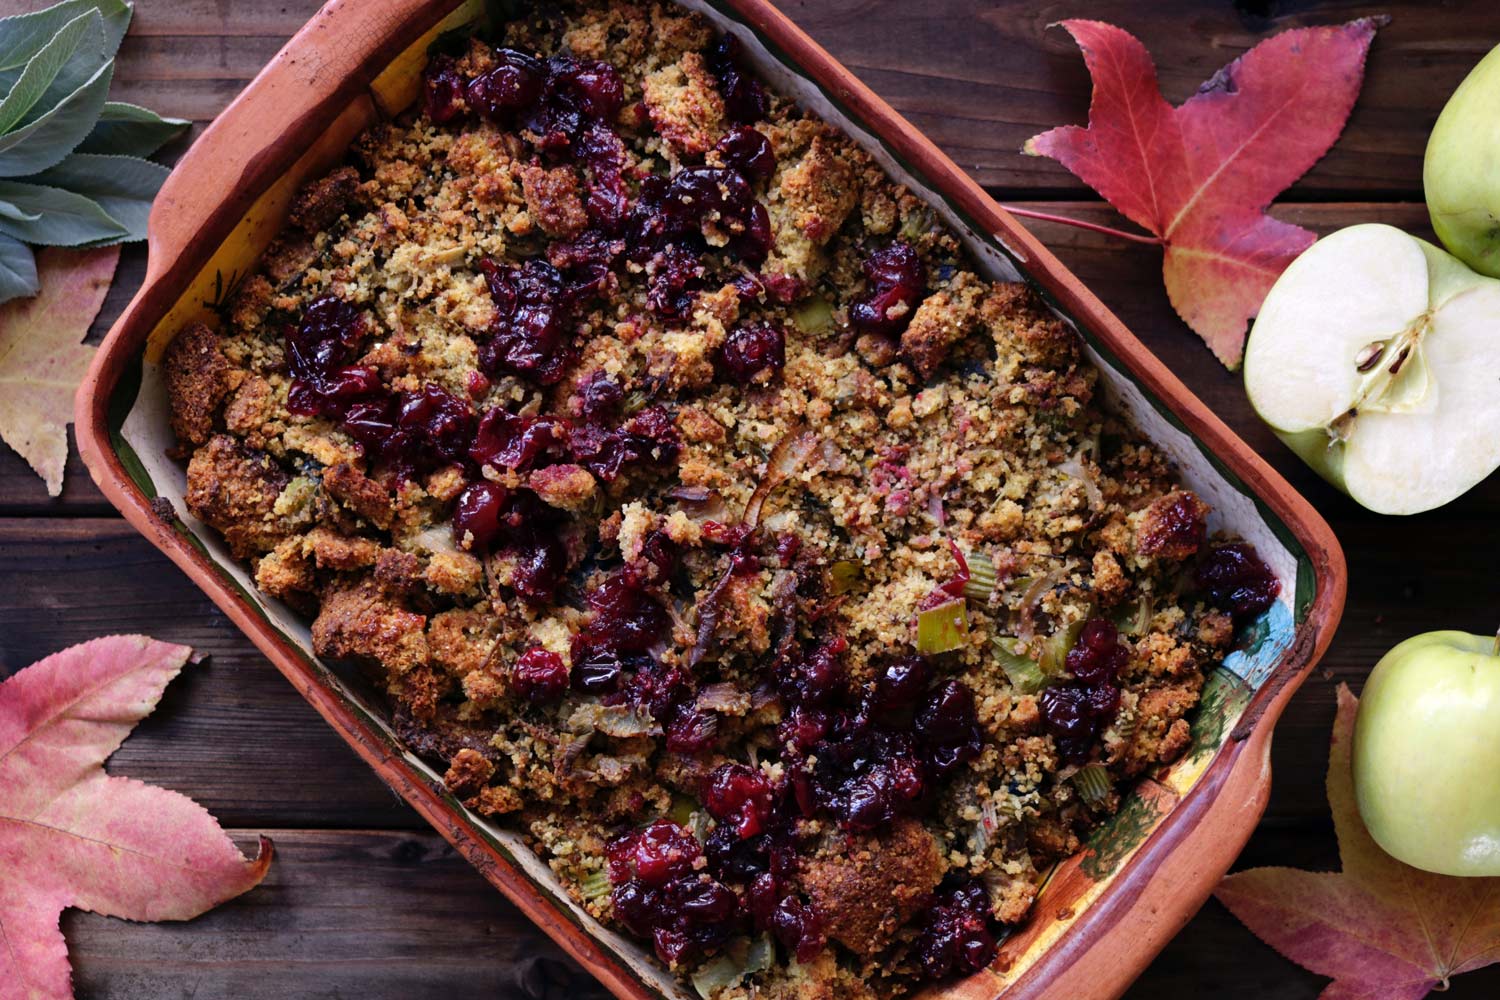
{"x": 73, "y": 167}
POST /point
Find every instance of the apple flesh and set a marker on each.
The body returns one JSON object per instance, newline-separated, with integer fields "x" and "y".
{"x": 1375, "y": 357}
{"x": 1427, "y": 754}
{"x": 1461, "y": 172}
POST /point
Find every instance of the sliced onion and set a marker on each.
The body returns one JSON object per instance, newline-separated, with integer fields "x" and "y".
{"x": 1075, "y": 469}
{"x": 790, "y": 453}
{"x": 1031, "y": 600}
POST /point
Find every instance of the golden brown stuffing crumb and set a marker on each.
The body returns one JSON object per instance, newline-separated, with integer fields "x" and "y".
{"x": 869, "y": 886}
{"x": 198, "y": 377}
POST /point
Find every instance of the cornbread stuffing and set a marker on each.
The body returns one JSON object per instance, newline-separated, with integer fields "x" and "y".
{"x": 700, "y": 510}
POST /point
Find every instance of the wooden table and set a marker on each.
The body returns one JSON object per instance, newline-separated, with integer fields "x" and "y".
{"x": 364, "y": 901}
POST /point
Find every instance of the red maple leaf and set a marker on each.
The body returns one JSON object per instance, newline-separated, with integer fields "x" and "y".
{"x": 1380, "y": 929}
{"x": 1201, "y": 175}
{"x": 71, "y": 835}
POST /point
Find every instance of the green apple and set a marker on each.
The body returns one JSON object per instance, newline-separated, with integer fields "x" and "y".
{"x": 1376, "y": 358}
{"x": 1461, "y": 173}
{"x": 1427, "y": 753}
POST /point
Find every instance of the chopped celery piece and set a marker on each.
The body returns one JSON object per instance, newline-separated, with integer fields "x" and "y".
{"x": 943, "y": 629}
{"x": 1134, "y": 619}
{"x": 1024, "y": 673}
{"x": 715, "y": 975}
{"x": 814, "y": 315}
{"x": 595, "y": 886}
{"x": 1055, "y": 649}
{"x": 981, "y": 577}
{"x": 844, "y": 575}
{"x": 1093, "y": 784}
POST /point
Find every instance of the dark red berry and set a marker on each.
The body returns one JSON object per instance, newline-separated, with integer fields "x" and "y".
{"x": 1236, "y": 580}
{"x": 751, "y": 349}
{"x": 652, "y": 855}
{"x": 738, "y": 796}
{"x": 798, "y": 928}
{"x": 957, "y": 935}
{"x": 745, "y": 98}
{"x": 505, "y": 440}
{"x": 896, "y": 280}
{"x": 442, "y": 90}
{"x": 748, "y": 151}
{"x": 514, "y": 84}
{"x": 476, "y": 515}
{"x": 540, "y": 675}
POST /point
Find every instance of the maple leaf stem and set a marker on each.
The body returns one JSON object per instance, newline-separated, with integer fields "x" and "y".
{"x": 1080, "y": 224}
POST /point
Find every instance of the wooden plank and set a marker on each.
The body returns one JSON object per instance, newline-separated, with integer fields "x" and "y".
{"x": 979, "y": 92}
{"x": 387, "y": 914}
{"x": 231, "y": 733}
{"x": 346, "y": 913}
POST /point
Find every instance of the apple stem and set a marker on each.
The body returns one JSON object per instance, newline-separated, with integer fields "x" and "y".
{"x": 1092, "y": 227}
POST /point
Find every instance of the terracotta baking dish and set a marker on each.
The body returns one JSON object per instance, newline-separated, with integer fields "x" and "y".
{"x": 1104, "y": 914}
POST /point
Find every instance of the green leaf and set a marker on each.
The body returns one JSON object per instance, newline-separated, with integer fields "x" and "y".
{"x": 17, "y": 270}
{"x": 85, "y": 32}
{"x": 24, "y": 35}
{"x": 45, "y": 141}
{"x": 128, "y": 130}
{"x": 90, "y": 55}
{"x": 66, "y": 219}
{"x": 9, "y": 211}
{"x": 121, "y": 185}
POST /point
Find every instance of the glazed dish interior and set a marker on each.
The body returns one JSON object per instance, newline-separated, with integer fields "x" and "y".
{"x": 731, "y": 529}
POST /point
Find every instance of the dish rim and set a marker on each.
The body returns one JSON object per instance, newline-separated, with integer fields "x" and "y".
{"x": 1158, "y": 889}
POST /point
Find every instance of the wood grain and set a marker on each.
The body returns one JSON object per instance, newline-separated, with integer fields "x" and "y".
{"x": 363, "y": 901}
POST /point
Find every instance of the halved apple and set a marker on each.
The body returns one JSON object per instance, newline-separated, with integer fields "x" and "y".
{"x": 1376, "y": 357}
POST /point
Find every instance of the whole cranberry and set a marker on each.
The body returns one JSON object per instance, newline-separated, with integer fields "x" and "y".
{"x": 442, "y": 90}
{"x": 901, "y": 684}
{"x": 748, "y": 151}
{"x": 1097, "y": 657}
{"x": 896, "y": 279}
{"x": 957, "y": 936}
{"x": 745, "y": 98}
{"x": 798, "y": 927}
{"x": 476, "y": 515}
{"x": 735, "y": 794}
{"x": 652, "y": 855}
{"x": 751, "y": 349}
{"x": 1236, "y": 580}
{"x": 539, "y": 675}
{"x": 514, "y": 84}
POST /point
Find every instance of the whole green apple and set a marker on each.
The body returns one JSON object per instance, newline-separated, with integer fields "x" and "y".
{"x": 1427, "y": 753}
{"x": 1461, "y": 173}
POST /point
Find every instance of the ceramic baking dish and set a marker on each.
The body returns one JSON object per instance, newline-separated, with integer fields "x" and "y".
{"x": 1102, "y": 915}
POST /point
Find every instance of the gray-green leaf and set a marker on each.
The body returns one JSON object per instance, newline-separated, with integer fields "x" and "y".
{"x": 85, "y": 32}
{"x": 17, "y": 270}
{"x": 23, "y": 35}
{"x": 128, "y": 130}
{"x": 121, "y": 185}
{"x": 9, "y": 211}
{"x": 47, "y": 140}
{"x": 64, "y": 219}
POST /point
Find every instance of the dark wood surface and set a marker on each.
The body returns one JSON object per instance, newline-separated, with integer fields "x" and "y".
{"x": 363, "y": 900}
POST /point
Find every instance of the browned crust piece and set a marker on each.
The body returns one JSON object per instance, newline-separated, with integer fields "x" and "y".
{"x": 233, "y": 489}
{"x": 198, "y": 377}
{"x": 866, "y": 889}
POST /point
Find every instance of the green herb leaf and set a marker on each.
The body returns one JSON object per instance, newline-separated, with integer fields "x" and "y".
{"x": 9, "y": 211}
{"x": 122, "y": 186}
{"x": 127, "y": 130}
{"x": 43, "y": 142}
{"x": 24, "y": 35}
{"x": 64, "y": 219}
{"x": 17, "y": 270}
{"x": 86, "y": 33}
